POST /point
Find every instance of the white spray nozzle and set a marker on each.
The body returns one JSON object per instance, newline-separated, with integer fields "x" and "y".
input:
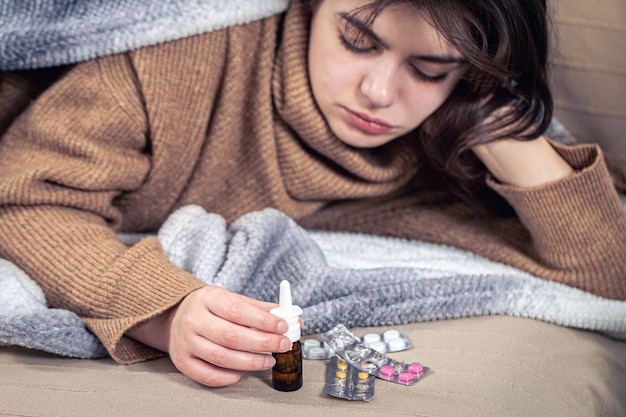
{"x": 288, "y": 311}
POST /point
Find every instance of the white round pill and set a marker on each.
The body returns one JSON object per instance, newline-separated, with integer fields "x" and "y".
{"x": 396, "y": 344}
{"x": 317, "y": 353}
{"x": 311, "y": 343}
{"x": 390, "y": 335}
{"x": 380, "y": 347}
{"x": 371, "y": 338}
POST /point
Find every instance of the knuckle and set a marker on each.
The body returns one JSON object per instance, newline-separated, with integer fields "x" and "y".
{"x": 209, "y": 289}
{"x": 231, "y": 337}
{"x": 270, "y": 344}
{"x": 216, "y": 356}
{"x": 210, "y": 292}
{"x": 269, "y": 321}
{"x": 257, "y": 362}
{"x": 234, "y": 310}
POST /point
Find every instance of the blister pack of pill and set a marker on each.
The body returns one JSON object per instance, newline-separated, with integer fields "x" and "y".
{"x": 348, "y": 382}
{"x": 389, "y": 341}
{"x": 349, "y": 347}
{"x": 314, "y": 349}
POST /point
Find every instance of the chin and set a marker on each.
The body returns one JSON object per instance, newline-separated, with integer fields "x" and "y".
{"x": 357, "y": 140}
{"x": 364, "y": 145}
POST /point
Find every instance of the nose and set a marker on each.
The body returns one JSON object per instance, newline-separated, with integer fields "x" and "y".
{"x": 379, "y": 84}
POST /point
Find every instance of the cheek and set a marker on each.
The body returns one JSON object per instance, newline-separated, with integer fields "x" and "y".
{"x": 330, "y": 75}
{"x": 426, "y": 100}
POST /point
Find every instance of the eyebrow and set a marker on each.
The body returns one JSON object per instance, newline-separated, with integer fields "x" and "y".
{"x": 363, "y": 27}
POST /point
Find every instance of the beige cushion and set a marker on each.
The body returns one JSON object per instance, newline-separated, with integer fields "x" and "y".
{"x": 589, "y": 72}
{"x": 485, "y": 366}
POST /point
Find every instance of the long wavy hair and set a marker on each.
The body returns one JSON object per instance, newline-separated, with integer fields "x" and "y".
{"x": 504, "y": 92}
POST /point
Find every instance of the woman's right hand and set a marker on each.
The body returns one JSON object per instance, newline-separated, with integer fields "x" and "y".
{"x": 213, "y": 336}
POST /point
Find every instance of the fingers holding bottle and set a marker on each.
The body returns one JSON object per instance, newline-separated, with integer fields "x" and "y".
{"x": 215, "y": 336}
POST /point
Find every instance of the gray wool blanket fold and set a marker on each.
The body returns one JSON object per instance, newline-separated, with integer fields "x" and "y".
{"x": 45, "y": 33}
{"x": 354, "y": 279}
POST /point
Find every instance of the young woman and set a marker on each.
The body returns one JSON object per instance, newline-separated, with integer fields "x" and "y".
{"x": 414, "y": 118}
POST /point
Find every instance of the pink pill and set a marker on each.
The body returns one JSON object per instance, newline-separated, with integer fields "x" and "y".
{"x": 406, "y": 377}
{"x": 387, "y": 372}
{"x": 416, "y": 368}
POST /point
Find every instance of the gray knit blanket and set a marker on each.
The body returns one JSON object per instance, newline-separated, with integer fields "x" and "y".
{"x": 354, "y": 279}
{"x": 44, "y": 33}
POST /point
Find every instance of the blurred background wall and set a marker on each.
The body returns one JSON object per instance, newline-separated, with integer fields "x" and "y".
{"x": 589, "y": 72}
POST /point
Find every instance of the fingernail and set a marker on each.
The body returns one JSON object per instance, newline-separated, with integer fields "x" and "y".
{"x": 285, "y": 345}
{"x": 282, "y": 327}
{"x": 269, "y": 362}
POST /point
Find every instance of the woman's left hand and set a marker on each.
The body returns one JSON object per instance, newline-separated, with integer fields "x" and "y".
{"x": 525, "y": 163}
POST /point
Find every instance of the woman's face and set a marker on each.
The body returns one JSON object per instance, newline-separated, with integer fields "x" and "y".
{"x": 375, "y": 85}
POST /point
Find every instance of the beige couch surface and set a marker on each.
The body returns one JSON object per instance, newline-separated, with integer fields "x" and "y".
{"x": 484, "y": 366}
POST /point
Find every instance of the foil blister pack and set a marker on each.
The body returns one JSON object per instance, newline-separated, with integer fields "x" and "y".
{"x": 364, "y": 358}
{"x": 348, "y": 382}
{"x": 390, "y": 341}
{"x": 314, "y": 349}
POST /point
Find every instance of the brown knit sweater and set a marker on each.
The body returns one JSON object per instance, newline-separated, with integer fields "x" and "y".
{"x": 226, "y": 120}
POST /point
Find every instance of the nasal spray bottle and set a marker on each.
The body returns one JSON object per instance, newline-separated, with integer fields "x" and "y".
{"x": 287, "y": 373}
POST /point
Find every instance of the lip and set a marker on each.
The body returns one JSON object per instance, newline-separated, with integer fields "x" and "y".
{"x": 367, "y": 124}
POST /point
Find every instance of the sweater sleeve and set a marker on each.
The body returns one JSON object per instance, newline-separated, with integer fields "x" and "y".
{"x": 571, "y": 231}
{"x": 64, "y": 164}
{"x": 578, "y": 224}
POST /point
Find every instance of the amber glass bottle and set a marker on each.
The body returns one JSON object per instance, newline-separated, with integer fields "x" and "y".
{"x": 287, "y": 373}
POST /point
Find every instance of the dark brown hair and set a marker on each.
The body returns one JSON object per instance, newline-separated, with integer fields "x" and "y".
{"x": 505, "y": 43}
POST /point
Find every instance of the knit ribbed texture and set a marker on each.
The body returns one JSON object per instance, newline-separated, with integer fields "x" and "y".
{"x": 118, "y": 144}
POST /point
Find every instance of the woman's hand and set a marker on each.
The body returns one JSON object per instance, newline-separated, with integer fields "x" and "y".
{"x": 213, "y": 336}
{"x": 523, "y": 163}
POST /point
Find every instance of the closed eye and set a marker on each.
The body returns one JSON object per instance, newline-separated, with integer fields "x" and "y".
{"x": 353, "y": 47}
{"x": 356, "y": 36}
{"x": 429, "y": 78}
